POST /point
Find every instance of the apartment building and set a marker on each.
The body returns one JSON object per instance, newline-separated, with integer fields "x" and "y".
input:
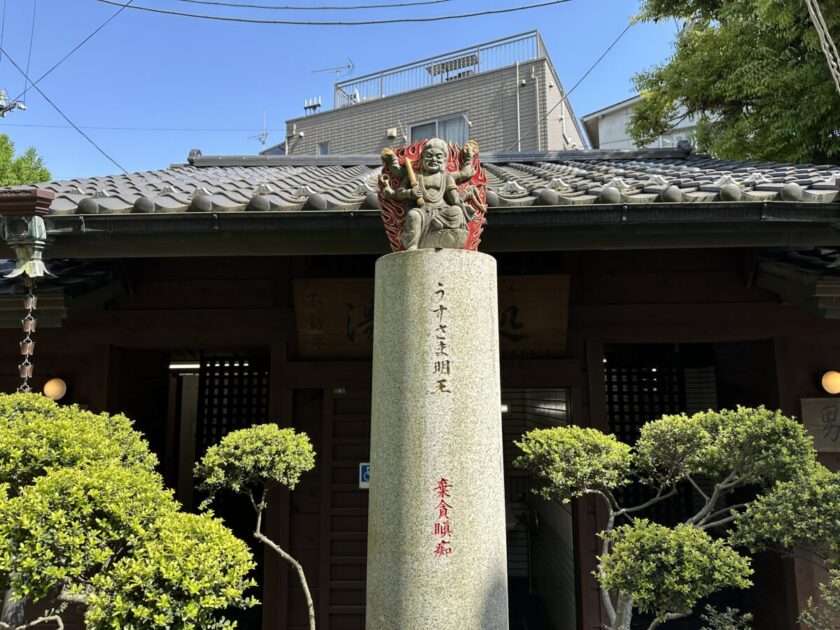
{"x": 504, "y": 94}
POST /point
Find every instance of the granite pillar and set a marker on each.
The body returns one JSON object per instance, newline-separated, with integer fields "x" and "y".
{"x": 436, "y": 529}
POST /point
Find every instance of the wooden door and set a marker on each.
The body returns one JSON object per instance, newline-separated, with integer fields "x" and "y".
{"x": 328, "y": 511}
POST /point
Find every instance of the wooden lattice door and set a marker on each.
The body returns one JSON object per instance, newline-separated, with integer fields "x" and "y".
{"x": 646, "y": 381}
{"x": 233, "y": 394}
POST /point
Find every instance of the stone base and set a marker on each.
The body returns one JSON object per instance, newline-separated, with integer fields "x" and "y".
{"x": 436, "y": 533}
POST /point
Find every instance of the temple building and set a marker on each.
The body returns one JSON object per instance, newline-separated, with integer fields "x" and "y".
{"x": 233, "y": 290}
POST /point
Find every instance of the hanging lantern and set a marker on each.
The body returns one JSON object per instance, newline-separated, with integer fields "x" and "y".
{"x": 55, "y": 388}
{"x": 831, "y": 382}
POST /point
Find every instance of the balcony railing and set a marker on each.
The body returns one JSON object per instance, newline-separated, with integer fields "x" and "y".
{"x": 440, "y": 69}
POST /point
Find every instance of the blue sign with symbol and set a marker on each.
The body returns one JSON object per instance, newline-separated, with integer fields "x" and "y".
{"x": 364, "y": 475}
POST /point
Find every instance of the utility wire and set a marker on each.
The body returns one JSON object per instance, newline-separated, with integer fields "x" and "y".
{"x": 574, "y": 87}
{"x": 437, "y": 18}
{"x": 3, "y": 31}
{"x": 31, "y": 40}
{"x": 166, "y": 129}
{"x": 297, "y": 7}
{"x": 63, "y": 115}
{"x": 74, "y": 49}
{"x": 832, "y": 57}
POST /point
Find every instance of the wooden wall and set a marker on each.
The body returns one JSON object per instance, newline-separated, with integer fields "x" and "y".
{"x": 174, "y": 307}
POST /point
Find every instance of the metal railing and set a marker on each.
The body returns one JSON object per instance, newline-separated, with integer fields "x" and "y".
{"x": 439, "y": 69}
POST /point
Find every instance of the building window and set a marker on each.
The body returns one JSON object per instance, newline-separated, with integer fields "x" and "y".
{"x": 451, "y": 129}
{"x": 323, "y": 148}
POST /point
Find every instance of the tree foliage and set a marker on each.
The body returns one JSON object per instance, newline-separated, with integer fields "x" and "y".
{"x": 71, "y": 523}
{"x": 727, "y": 619}
{"x": 85, "y": 519}
{"x": 569, "y": 461}
{"x": 36, "y": 434}
{"x": 666, "y": 571}
{"x": 751, "y": 72}
{"x": 183, "y": 578}
{"x": 254, "y": 459}
{"x": 26, "y": 168}
{"x": 822, "y": 613}
{"x": 770, "y": 522}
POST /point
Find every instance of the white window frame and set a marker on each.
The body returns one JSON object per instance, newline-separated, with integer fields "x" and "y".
{"x": 319, "y": 145}
{"x": 437, "y": 121}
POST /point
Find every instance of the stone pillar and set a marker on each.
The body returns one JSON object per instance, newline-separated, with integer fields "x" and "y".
{"x": 436, "y": 529}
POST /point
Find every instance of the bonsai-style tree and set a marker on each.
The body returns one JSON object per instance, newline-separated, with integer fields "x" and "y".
{"x": 803, "y": 513}
{"x": 652, "y": 568}
{"x": 252, "y": 462}
{"x": 85, "y": 520}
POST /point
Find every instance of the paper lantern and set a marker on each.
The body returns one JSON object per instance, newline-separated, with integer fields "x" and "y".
{"x": 831, "y": 382}
{"x": 55, "y": 388}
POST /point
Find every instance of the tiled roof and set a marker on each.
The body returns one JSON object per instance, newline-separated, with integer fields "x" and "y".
{"x": 263, "y": 183}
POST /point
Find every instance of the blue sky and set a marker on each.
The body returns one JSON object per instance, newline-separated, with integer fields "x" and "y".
{"x": 199, "y": 78}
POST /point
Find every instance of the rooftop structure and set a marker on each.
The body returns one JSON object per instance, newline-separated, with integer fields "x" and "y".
{"x": 607, "y": 128}
{"x": 451, "y": 66}
{"x": 504, "y": 94}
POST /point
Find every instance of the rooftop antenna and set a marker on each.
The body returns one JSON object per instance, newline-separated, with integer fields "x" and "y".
{"x": 262, "y": 136}
{"x": 311, "y": 105}
{"x": 339, "y": 71}
{"x": 7, "y": 106}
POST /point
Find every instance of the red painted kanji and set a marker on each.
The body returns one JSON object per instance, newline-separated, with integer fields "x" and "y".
{"x": 443, "y": 549}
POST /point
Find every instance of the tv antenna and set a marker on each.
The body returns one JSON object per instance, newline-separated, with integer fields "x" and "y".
{"x": 262, "y": 136}
{"x": 7, "y": 105}
{"x": 339, "y": 70}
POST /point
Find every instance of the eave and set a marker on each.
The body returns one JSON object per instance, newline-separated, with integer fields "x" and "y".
{"x": 598, "y": 227}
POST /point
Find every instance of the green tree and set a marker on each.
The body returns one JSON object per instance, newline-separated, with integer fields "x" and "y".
{"x": 26, "y": 168}
{"x": 729, "y": 619}
{"x": 666, "y": 571}
{"x": 822, "y": 614}
{"x": 252, "y": 462}
{"x": 752, "y": 73}
{"x": 770, "y": 523}
{"x": 85, "y": 520}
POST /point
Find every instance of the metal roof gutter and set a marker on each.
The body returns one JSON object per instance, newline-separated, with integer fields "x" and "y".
{"x": 619, "y": 226}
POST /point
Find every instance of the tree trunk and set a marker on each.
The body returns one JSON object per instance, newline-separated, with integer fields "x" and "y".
{"x": 624, "y": 612}
{"x": 13, "y": 609}
{"x": 310, "y": 605}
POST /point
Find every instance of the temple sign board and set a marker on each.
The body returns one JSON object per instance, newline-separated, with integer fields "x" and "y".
{"x": 821, "y": 417}
{"x": 335, "y": 317}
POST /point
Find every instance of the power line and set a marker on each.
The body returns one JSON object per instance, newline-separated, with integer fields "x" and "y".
{"x": 63, "y": 115}
{"x": 75, "y": 48}
{"x": 574, "y": 87}
{"x": 3, "y": 31}
{"x": 297, "y": 7}
{"x": 437, "y": 18}
{"x": 163, "y": 129}
{"x": 832, "y": 57}
{"x": 31, "y": 40}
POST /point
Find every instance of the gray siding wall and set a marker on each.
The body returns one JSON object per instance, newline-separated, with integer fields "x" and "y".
{"x": 488, "y": 100}
{"x": 560, "y": 130}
